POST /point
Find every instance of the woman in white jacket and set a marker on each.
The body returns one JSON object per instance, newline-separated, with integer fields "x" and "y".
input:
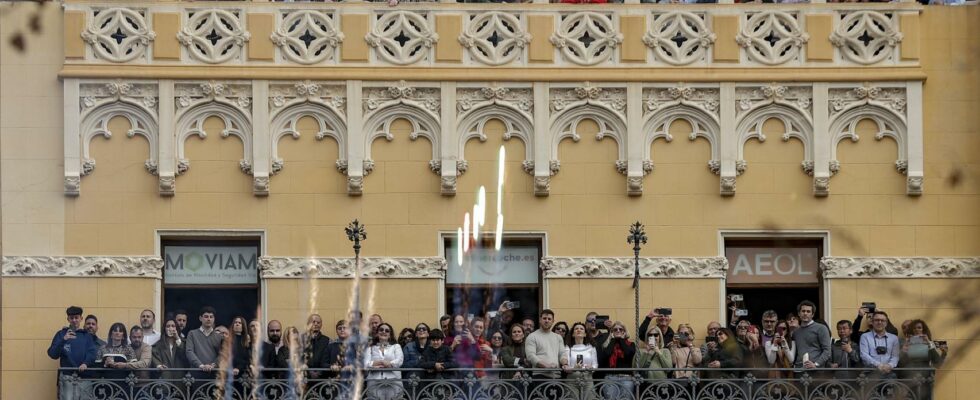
{"x": 780, "y": 352}
{"x": 384, "y": 353}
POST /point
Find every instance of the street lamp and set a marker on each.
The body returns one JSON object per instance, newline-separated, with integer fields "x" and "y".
{"x": 355, "y": 233}
{"x": 636, "y": 238}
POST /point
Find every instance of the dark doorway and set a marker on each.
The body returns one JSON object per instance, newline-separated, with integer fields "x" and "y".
{"x": 227, "y": 302}
{"x": 783, "y": 300}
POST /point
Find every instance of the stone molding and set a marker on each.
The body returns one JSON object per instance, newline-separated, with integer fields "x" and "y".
{"x": 343, "y": 267}
{"x": 448, "y": 114}
{"x": 83, "y": 266}
{"x": 622, "y": 267}
{"x": 900, "y": 267}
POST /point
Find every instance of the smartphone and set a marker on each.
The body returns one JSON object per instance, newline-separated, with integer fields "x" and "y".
{"x": 578, "y": 360}
{"x": 735, "y": 297}
{"x": 652, "y": 341}
{"x": 940, "y": 343}
{"x": 469, "y": 318}
{"x": 510, "y": 305}
{"x": 741, "y": 312}
{"x": 665, "y": 311}
{"x": 870, "y": 305}
{"x": 711, "y": 339}
{"x": 600, "y": 321}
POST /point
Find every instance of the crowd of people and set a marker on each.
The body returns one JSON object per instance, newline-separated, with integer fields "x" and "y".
{"x": 499, "y": 347}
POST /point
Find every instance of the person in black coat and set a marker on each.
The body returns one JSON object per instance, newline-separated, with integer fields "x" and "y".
{"x": 437, "y": 359}
{"x": 315, "y": 346}
{"x": 275, "y": 354}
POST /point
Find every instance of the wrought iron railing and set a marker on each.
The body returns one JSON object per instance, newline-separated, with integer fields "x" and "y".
{"x": 619, "y": 384}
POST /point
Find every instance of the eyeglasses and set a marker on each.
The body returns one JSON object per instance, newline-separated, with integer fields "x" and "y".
{"x": 742, "y": 327}
{"x": 652, "y": 335}
{"x": 384, "y": 330}
{"x": 619, "y": 330}
{"x": 879, "y": 320}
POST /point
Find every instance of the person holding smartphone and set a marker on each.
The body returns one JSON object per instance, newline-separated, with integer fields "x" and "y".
{"x": 683, "y": 351}
{"x": 780, "y": 351}
{"x": 653, "y": 354}
{"x": 921, "y": 352}
{"x": 73, "y": 347}
{"x": 582, "y": 357}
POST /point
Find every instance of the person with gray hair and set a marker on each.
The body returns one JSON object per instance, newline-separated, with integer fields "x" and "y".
{"x": 769, "y": 321}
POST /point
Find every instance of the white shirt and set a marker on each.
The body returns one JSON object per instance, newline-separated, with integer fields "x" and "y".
{"x": 391, "y": 353}
{"x": 151, "y": 338}
{"x": 590, "y": 359}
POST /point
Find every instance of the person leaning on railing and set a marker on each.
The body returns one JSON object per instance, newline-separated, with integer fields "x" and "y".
{"x": 725, "y": 354}
{"x": 513, "y": 353}
{"x": 780, "y": 352}
{"x": 617, "y": 351}
{"x": 652, "y": 353}
{"x": 383, "y": 355}
{"x": 683, "y": 352}
{"x": 413, "y": 350}
{"x": 919, "y": 351}
{"x": 170, "y": 352}
{"x": 582, "y": 358}
{"x": 116, "y": 353}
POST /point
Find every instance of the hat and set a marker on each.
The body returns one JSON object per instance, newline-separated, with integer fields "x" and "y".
{"x": 73, "y": 310}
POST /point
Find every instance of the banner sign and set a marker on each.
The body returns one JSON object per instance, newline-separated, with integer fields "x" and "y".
{"x": 772, "y": 265}
{"x": 196, "y": 265}
{"x": 511, "y": 265}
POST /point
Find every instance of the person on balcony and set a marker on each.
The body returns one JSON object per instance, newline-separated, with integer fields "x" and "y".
{"x": 879, "y": 348}
{"x": 724, "y": 354}
{"x": 169, "y": 353}
{"x": 513, "y": 353}
{"x": 683, "y": 351}
{"x": 315, "y": 346}
{"x": 844, "y": 353}
{"x": 812, "y": 339}
{"x": 652, "y": 354}
{"x": 384, "y": 354}
{"x": 582, "y": 359}
{"x": 73, "y": 347}
{"x": 204, "y": 345}
{"x": 92, "y": 327}
{"x": 116, "y": 353}
{"x": 921, "y": 352}
{"x": 617, "y": 352}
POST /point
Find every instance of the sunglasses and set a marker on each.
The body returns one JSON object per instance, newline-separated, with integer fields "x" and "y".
{"x": 619, "y": 330}
{"x": 384, "y": 330}
{"x": 421, "y": 329}
{"x": 561, "y": 330}
{"x": 496, "y": 338}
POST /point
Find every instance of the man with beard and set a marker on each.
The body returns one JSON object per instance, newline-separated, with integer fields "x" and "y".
{"x": 315, "y": 346}
{"x": 543, "y": 349}
{"x": 92, "y": 327}
{"x": 147, "y": 319}
{"x": 274, "y": 353}
{"x": 143, "y": 351}
{"x": 180, "y": 317}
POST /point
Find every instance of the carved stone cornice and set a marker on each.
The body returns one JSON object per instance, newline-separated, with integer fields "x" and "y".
{"x": 898, "y": 267}
{"x": 343, "y": 267}
{"x": 83, "y": 266}
{"x": 622, "y": 267}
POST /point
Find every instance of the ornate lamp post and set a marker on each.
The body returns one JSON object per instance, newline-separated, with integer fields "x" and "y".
{"x": 636, "y": 238}
{"x": 355, "y": 233}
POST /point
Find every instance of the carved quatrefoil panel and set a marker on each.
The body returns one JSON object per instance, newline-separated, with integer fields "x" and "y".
{"x": 495, "y": 38}
{"x": 118, "y": 34}
{"x": 772, "y": 37}
{"x": 866, "y": 37}
{"x": 679, "y": 38}
{"x": 213, "y": 36}
{"x": 307, "y": 36}
{"x": 402, "y": 37}
{"x": 587, "y": 38}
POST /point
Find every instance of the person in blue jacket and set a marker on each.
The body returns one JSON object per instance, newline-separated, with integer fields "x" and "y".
{"x": 74, "y": 347}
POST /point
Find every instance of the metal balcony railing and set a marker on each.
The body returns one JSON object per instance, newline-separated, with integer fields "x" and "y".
{"x": 619, "y": 384}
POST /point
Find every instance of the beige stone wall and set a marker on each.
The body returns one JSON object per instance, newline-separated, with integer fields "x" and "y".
{"x": 867, "y": 213}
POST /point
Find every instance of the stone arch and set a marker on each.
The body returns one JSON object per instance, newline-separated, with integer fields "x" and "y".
{"x": 191, "y": 122}
{"x": 141, "y": 122}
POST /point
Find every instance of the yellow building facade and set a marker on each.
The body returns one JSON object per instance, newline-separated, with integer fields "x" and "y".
{"x": 852, "y": 129}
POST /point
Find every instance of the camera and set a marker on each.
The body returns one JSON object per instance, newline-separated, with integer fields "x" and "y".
{"x": 510, "y": 305}
{"x": 881, "y": 350}
{"x": 870, "y": 305}
{"x": 683, "y": 337}
{"x": 845, "y": 340}
{"x": 664, "y": 311}
{"x": 711, "y": 339}
{"x": 940, "y": 343}
{"x": 735, "y": 297}
{"x": 741, "y": 312}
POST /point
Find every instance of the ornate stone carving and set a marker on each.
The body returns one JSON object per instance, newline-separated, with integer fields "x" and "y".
{"x": 307, "y": 36}
{"x": 371, "y": 267}
{"x": 866, "y": 37}
{"x": 355, "y": 185}
{"x": 73, "y": 185}
{"x": 167, "y": 185}
{"x": 495, "y": 38}
{"x": 679, "y": 37}
{"x": 727, "y": 186}
{"x": 699, "y": 106}
{"x": 448, "y": 185}
{"x": 542, "y": 185}
{"x": 213, "y": 35}
{"x": 622, "y": 267}
{"x": 889, "y": 267}
{"x": 198, "y": 101}
{"x": 772, "y": 37}
{"x": 885, "y": 106}
{"x": 118, "y": 34}
{"x": 913, "y": 186}
{"x": 588, "y": 93}
{"x": 586, "y": 38}
{"x": 260, "y": 185}
{"x": 791, "y": 105}
{"x": 821, "y": 186}
{"x": 102, "y": 101}
{"x": 634, "y": 185}
{"x": 843, "y": 99}
{"x": 83, "y": 266}
{"x": 402, "y": 37}
{"x": 376, "y": 98}
{"x": 324, "y": 102}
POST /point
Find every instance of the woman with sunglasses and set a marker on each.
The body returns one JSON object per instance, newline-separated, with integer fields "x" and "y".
{"x": 384, "y": 354}
{"x": 684, "y": 352}
{"x": 414, "y": 349}
{"x": 496, "y": 361}
{"x": 726, "y": 354}
{"x": 406, "y": 336}
{"x": 561, "y": 328}
{"x": 617, "y": 351}
{"x": 652, "y": 355}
